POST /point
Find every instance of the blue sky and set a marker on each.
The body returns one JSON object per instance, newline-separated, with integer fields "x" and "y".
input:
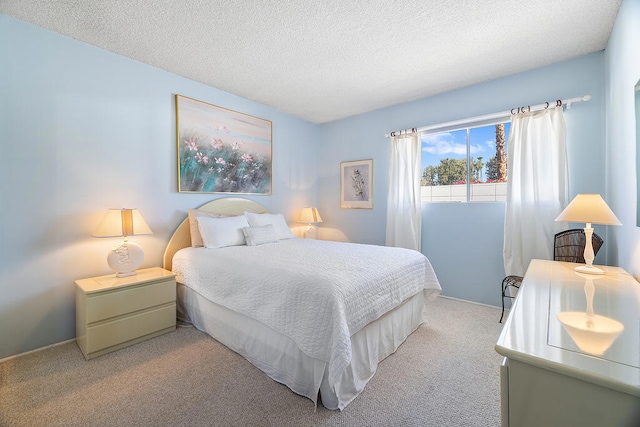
{"x": 454, "y": 144}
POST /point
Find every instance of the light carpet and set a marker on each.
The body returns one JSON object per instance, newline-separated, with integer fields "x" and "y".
{"x": 445, "y": 374}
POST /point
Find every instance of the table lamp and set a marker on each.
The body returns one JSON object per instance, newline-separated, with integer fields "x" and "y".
{"x": 590, "y": 209}
{"x": 125, "y": 257}
{"x": 309, "y": 216}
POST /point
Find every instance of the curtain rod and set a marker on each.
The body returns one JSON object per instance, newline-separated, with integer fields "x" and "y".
{"x": 494, "y": 116}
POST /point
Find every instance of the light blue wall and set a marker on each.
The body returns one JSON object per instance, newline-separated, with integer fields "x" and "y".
{"x": 83, "y": 130}
{"x": 622, "y": 58}
{"x": 464, "y": 241}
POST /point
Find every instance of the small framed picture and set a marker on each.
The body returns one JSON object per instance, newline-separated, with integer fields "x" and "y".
{"x": 356, "y": 184}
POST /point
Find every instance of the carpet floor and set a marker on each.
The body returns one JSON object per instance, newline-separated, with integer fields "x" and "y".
{"x": 445, "y": 374}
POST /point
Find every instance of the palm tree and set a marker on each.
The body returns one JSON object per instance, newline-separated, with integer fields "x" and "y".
{"x": 501, "y": 159}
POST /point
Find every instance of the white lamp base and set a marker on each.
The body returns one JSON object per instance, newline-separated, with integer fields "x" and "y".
{"x": 311, "y": 232}
{"x": 125, "y": 258}
{"x": 589, "y": 269}
{"x": 131, "y": 273}
{"x": 588, "y": 254}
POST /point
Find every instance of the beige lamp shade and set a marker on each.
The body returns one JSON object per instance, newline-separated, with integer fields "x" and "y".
{"x": 589, "y": 208}
{"x": 309, "y": 216}
{"x": 122, "y": 222}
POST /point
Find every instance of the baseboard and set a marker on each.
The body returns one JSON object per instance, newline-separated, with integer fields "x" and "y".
{"x": 6, "y": 359}
{"x": 473, "y": 302}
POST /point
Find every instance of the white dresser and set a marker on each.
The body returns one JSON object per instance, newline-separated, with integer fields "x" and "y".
{"x": 572, "y": 349}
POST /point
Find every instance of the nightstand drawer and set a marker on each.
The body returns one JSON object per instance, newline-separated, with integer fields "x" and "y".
{"x": 114, "y": 312}
{"x": 119, "y": 331}
{"x": 109, "y": 304}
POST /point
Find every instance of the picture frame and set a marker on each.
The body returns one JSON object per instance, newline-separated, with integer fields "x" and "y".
{"x": 356, "y": 184}
{"x": 221, "y": 150}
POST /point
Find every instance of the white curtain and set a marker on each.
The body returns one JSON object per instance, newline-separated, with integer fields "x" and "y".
{"x": 404, "y": 221}
{"x": 537, "y": 187}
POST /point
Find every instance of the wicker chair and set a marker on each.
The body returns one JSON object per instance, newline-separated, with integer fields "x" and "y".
{"x": 568, "y": 247}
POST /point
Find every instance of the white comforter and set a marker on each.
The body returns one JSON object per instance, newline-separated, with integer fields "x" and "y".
{"x": 317, "y": 293}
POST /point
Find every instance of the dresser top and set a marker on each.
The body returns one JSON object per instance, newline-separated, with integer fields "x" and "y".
{"x": 584, "y": 326}
{"x": 111, "y": 281}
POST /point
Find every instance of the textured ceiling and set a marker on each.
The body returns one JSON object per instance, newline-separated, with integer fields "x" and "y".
{"x": 324, "y": 60}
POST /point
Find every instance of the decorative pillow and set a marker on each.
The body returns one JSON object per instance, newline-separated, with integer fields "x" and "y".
{"x": 277, "y": 220}
{"x": 196, "y": 238}
{"x": 221, "y": 232}
{"x": 260, "y": 235}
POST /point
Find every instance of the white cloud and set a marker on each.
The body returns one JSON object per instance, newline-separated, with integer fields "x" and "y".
{"x": 476, "y": 149}
{"x": 442, "y": 143}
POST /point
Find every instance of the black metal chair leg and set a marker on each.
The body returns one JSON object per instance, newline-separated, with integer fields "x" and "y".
{"x": 514, "y": 281}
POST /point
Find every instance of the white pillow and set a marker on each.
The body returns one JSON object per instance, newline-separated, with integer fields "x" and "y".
{"x": 260, "y": 235}
{"x": 277, "y": 220}
{"x": 221, "y": 232}
{"x": 196, "y": 238}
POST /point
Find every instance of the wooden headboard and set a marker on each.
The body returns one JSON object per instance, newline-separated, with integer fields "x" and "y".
{"x": 181, "y": 238}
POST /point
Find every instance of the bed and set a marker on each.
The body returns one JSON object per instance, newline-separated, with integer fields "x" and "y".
{"x": 317, "y": 316}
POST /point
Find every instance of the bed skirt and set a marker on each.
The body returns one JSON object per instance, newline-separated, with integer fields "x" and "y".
{"x": 281, "y": 359}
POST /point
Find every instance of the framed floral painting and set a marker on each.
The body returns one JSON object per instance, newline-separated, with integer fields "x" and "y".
{"x": 221, "y": 150}
{"x": 356, "y": 184}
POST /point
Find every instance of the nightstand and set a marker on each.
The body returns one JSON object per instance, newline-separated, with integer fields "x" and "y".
{"x": 115, "y": 312}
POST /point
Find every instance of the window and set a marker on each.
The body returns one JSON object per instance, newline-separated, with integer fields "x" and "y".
{"x": 465, "y": 165}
